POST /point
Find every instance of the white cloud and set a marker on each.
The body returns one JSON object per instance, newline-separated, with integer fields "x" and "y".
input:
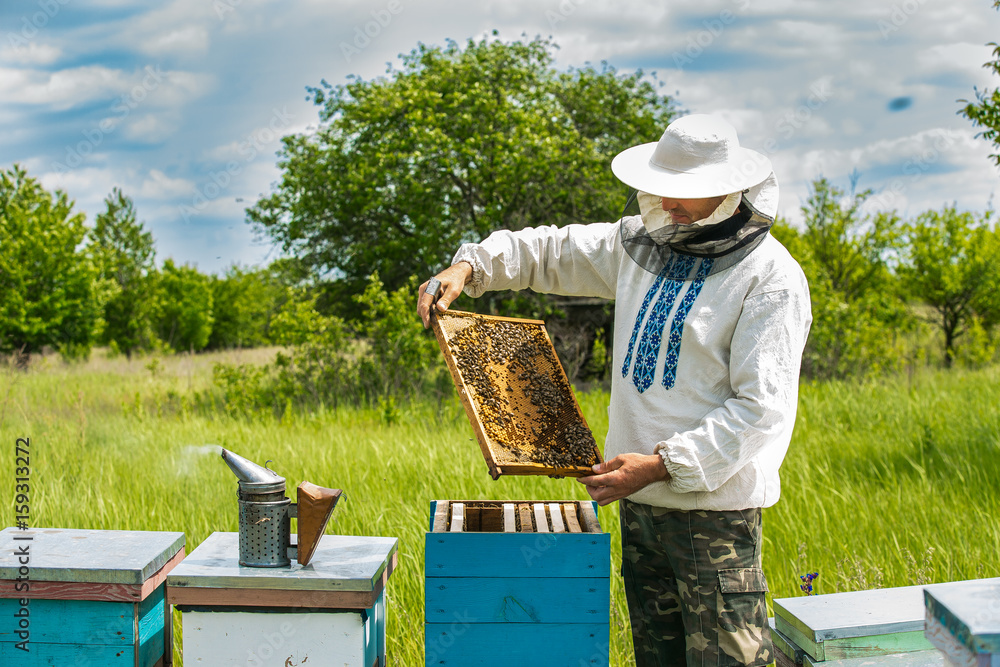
{"x": 160, "y": 186}
{"x": 190, "y": 40}
{"x": 60, "y": 90}
{"x": 149, "y": 128}
{"x": 34, "y": 53}
{"x": 87, "y": 186}
{"x": 958, "y": 56}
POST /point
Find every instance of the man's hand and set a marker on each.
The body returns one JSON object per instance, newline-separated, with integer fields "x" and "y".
{"x": 453, "y": 279}
{"x": 624, "y": 475}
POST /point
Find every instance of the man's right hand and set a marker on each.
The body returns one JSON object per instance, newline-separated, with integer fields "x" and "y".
{"x": 453, "y": 279}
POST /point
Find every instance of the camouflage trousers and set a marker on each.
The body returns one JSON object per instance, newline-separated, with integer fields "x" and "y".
{"x": 695, "y": 587}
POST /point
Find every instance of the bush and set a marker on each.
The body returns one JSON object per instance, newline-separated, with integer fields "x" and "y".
{"x": 381, "y": 360}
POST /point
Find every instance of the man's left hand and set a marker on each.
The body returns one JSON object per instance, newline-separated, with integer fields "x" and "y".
{"x": 624, "y": 475}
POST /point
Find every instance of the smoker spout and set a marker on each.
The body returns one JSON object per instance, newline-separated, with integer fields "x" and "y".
{"x": 248, "y": 471}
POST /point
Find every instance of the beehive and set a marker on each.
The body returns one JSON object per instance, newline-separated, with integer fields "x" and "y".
{"x": 329, "y": 613}
{"x": 516, "y": 583}
{"x": 883, "y": 627}
{"x": 962, "y": 620}
{"x": 94, "y": 597}
{"x": 516, "y": 395}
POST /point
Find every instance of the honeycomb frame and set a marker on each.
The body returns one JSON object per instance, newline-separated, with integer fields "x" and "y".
{"x": 516, "y": 395}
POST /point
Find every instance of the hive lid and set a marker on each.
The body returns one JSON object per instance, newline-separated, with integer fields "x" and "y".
{"x": 88, "y": 556}
{"x": 969, "y": 610}
{"x": 516, "y": 395}
{"x": 340, "y": 563}
{"x": 853, "y": 614}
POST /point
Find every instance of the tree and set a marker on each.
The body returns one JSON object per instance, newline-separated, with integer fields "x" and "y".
{"x": 243, "y": 303}
{"x": 851, "y": 248}
{"x": 123, "y": 252}
{"x": 985, "y": 111}
{"x": 951, "y": 265}
{"x": 184, "y": 307}
{"x": 845, "y": 255}
{"x": 455, "y": 144}
{"x": 47, "y": 283}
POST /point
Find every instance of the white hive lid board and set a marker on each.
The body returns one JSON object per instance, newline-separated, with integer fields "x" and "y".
{"x": 340, "y": 563}
{"x": 970, "y": 611}
{"x": 932, "y": 658}
{"x": 88, "y": 556}
{"x": 855, "y": 614}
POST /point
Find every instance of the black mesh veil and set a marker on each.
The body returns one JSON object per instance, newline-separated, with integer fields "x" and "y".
{"x": 726, "y": 243}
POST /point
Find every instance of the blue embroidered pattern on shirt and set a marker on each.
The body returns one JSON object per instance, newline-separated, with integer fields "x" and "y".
{"x": 677, "y": 326}
{"x": 652, "y": 334}
{"x": 639, "y": 318}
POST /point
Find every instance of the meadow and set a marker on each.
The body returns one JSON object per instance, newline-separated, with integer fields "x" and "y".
{"x": 888, "y": 482}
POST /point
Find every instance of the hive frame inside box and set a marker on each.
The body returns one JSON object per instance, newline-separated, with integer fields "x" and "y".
{"x": 535, "y": 592}
{"x": 469, "y": 401}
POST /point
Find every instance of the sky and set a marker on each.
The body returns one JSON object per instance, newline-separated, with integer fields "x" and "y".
{"x": 182, "y": 103}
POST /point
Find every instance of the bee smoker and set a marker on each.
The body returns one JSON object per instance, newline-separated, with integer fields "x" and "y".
{"x": 266, "y": 514}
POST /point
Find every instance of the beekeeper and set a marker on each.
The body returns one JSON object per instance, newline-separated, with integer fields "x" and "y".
{"x": 711, "y": 316}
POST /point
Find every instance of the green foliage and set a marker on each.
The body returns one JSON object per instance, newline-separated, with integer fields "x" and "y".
{"x": 47, "y": 283}
{"x": 950, "y": 263}
{"x": 243, "y": 303}
{"x": 856, "y": 309}
{"x": 123, "y": 252}
{"x": 985, "y": 111}
{"x": 183, "y": 307}
{"x": 400, "y": 351}
{"x": 459, "y": 142}
{"x": 383, "y": 360}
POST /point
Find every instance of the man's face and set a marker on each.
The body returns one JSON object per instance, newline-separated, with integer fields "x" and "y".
{"x": 686, "y": 211}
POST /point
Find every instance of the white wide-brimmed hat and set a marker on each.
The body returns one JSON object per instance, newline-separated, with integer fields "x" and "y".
{"x": 698, "y": 156}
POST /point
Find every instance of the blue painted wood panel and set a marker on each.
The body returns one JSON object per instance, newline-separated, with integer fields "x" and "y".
{"x": 517, "y": 555}
{"x": 517, "y": 600}
{"x": 375, "y": 632}
{"x": 73, "y": 622}
{"x": 151, "y": 612}
{"x": 522, "y": 644}
{"x": 66, "y": 655}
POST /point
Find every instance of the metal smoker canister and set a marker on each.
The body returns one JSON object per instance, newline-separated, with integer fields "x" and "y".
{"x": 265, "y": 514}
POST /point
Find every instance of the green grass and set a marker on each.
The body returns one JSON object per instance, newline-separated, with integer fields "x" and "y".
{"x": 877, "y": 474}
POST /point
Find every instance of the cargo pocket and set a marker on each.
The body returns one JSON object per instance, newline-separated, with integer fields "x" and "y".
{"x": 743, "y": 635}
{"x": 742, "y": 580}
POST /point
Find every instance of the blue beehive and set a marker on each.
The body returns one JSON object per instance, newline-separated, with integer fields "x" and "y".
{"x": 525, "y": 583}
{"x": 86, "y": 597}
{"x": 963, "y": 621}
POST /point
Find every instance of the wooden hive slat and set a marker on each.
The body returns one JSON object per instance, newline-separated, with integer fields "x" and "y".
{"x": 555, "y": 512}
{"x": 572, "y": 524}
{"x": 541, "y": 521}
{"x": 457, "y": 517}
{"x": 524, "y": 510}
{"x": 509, "y": 518}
